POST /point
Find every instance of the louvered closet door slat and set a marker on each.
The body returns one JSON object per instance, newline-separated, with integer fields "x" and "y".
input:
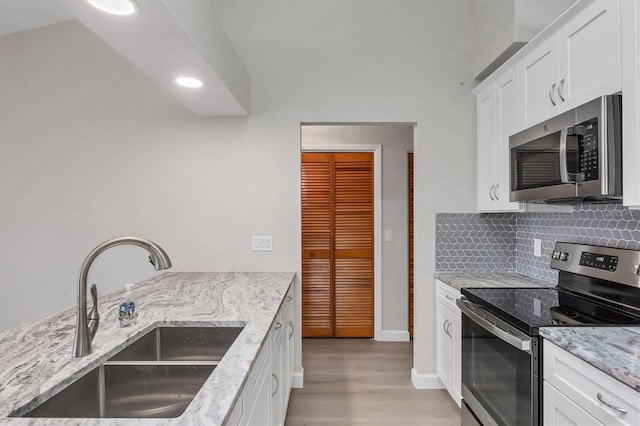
{"x": 353, "y": 244}
{"x": 317, "y": 207}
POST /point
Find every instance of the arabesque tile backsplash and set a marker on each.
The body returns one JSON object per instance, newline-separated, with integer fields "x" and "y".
{"x": 480, "y": 242}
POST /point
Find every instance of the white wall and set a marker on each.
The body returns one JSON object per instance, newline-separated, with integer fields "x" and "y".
{"x": 396, "y": 141}
{"x": 91, "y": 149}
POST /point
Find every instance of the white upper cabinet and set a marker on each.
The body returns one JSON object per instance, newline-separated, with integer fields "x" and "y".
{"x": 575, "y": 64}
{"x": 538, "y": 82}
{"x": 589, "y": 53}
{"x": 630, "y": 29}
{"x": 497, "y": 120}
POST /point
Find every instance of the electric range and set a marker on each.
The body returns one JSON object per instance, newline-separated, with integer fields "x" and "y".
{"x": 501, "y": 359}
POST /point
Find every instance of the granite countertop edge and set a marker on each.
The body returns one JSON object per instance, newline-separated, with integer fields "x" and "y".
{"x": 458, "y": 280}
{"x": 613, "y": 350}
{"x": 36, "y": 362}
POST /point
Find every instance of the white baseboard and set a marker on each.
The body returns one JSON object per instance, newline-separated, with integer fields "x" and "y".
{"x": 394, "y": 336}
{"x": 298, "y": 379}
{"x": 425, "y": 381}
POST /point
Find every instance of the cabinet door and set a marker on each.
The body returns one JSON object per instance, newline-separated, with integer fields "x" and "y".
{"x": 276, "y": 377}
{"x": 260, "y": 406}
{"x": 443, "y": 346}
{"x": 589, "y": 54}
{"x": 507, "y": 117}
{"x": 486, "y": 102}
{"x": 538, "y": 76}
{"x": 558, "y": 410}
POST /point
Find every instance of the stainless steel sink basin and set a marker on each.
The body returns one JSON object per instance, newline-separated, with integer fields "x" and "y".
{"x": 156, "y": 376}
{"x": 180, "y": 344}
{"x": 128, "y": 391}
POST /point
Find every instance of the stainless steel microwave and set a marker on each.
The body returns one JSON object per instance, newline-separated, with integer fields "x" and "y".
{"x": 573, "y": 157}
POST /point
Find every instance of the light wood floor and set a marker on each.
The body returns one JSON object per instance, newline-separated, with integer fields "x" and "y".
{"x": 363, "y": 382}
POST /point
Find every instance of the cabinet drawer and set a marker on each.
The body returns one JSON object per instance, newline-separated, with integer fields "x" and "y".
{"x": 447, "y": 295}
{"x": 561, "y": 411}
{"x": 582, "y": 383}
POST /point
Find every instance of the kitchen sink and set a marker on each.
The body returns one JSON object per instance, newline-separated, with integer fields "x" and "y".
{"x": 157, "y": 376}
{"x": 180, "y": 344}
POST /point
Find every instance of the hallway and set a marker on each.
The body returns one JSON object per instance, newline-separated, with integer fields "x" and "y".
{"x": 364, "y": 382}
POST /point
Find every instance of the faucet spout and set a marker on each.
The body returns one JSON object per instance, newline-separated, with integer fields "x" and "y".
{"x": 86, "y": 327}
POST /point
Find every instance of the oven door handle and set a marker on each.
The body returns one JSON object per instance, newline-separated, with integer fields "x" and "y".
{"x": 497, "y": 327}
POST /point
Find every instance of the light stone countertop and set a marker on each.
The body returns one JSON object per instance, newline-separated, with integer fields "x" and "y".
{"x": 614, "y": 350}
{"x": 458, "y": 280}
{"x": 36, "y": 362}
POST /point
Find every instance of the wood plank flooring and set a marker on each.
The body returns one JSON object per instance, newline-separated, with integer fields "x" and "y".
{"x": 363, "y": 382}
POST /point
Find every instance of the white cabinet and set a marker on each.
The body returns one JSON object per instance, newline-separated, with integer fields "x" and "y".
{"x": 497, "y": 120}
{"x": 561, "y": 411}
{"x": 574, "y": 65}
{"x": 575, "y": 392}
{"x": 448, "y": 340}
{"x": 265, "y": 395}
{"x": 630, "y": 30}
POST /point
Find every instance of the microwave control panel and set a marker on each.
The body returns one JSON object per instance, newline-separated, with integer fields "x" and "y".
{"x": 586, "y": 134}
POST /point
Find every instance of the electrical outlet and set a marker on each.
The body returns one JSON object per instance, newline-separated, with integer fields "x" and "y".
{"x": 537, "y": 247}
{"x": 262, "y": 243}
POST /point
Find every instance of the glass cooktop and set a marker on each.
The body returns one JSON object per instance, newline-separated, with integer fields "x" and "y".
{"x": 530, "y": 308}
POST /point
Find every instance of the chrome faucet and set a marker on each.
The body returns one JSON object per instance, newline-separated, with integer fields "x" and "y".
{"x": 86, "y": 327}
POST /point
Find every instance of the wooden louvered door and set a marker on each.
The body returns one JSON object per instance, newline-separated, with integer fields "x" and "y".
{"x": 337, "y": 244}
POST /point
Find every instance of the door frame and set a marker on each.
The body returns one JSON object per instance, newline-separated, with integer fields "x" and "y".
{"x": 377, "y": 218}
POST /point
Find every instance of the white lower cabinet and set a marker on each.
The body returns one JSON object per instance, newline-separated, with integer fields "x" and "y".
{"x": 577, "y": 393}
{"x": 449, "y": 340}
{"x": 265, "y": 395}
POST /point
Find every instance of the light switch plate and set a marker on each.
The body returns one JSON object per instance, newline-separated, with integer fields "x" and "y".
{"x": 262, "y": 243}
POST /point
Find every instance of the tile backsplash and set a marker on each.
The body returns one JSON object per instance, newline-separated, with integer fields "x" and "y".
{"x": 504, "y": 241}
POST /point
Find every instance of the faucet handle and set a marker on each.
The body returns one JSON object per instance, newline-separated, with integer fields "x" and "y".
{"x": 94, "y": 317}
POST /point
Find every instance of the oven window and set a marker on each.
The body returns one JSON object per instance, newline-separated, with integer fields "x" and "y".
{"x": 497, "y": 374}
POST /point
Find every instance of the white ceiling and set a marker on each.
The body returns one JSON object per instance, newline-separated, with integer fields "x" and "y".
{"x": 20, "y": 15}
{"x": 164, "y": 39}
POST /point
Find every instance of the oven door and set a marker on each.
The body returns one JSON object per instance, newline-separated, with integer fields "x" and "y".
{"x": 499, "y": 372}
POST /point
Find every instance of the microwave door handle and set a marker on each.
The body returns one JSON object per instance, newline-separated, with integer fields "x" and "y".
{"x": 500, "y": 332}
{"x": 564, "y": 174}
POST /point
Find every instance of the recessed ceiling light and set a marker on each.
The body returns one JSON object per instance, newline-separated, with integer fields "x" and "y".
{"x": 189, "y": 82}
{"x": 114, "y": 7}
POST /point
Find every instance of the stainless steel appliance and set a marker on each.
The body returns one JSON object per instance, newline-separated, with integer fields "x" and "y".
{"x": 501, "y": 351}
{"x": 573, "y": 157}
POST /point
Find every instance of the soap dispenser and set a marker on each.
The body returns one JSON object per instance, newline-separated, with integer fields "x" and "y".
{"x": 127, "y": 314}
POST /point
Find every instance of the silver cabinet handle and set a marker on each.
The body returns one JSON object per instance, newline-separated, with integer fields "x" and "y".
{"x": 445, "y": 327}
{"x": 490, "y": 195}
{"x": 291, "y": 334}
{"x": 289, "y": 298}
{"x": 613, "y": 407}
{"x": 277, "y": 384}
{"x": 560, "y": 86}
{"x": 278, "y": 326}
{"x": 495, "y": 192}
{"x": 449, "y": 332}
{"x": 448, "y": 297}
{"x": 553, "y": 88}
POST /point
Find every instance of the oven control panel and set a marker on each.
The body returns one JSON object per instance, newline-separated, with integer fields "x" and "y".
{"x": 613, "y": 264}
{"x": 600, "y": 261}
